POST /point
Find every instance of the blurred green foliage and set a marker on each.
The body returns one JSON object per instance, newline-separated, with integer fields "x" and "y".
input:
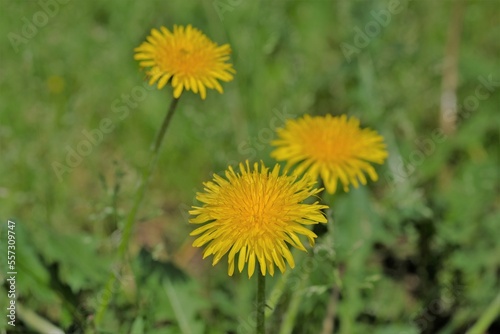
{"x": 417, "y": 251}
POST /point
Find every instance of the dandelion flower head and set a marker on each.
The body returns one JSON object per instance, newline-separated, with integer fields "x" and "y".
{"x": 333, "y": 148}
{"x": 186, "y": 57}
{"x": 256, "y": 213}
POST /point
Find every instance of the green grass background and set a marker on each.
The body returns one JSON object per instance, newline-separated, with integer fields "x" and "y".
{"x": 394, "y": 250}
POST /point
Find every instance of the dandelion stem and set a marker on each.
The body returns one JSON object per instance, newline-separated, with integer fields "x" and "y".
{"x": 261, "y": 302}
{"x": 164, "y": 126}
{"x": 131, "y": 218}
{"x": 127, "y": 231}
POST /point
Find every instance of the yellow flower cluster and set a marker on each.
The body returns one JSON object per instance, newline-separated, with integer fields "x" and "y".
{"x": 254, "y": 215}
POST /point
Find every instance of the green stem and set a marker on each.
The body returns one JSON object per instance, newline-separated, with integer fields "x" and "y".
{"x": 493, "y": 311}
{"x": 261, "y": 303}
{"x": 131, "y": 218}
{"x": 164, "y": 126}
{"x": 145, "y": 179}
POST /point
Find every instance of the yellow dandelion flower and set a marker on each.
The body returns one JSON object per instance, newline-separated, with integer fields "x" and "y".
{"x": 186, "y": 57}
{"x": 256, "y": 213}
{"x": 334, "y": 148}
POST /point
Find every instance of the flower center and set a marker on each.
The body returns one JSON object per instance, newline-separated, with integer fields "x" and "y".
{"x": 261, "y": 210}
{"x": 332, "y": 147}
